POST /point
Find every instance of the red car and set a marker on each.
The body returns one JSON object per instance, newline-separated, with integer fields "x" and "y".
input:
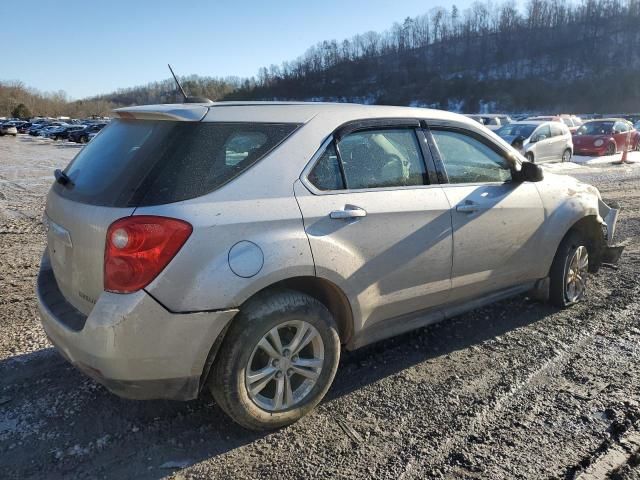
{"x": 605, "y": 137}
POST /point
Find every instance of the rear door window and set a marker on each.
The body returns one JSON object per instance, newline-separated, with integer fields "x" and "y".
{"x": 143, "y": 163}
{"x": 556, "y": 130}
{"x": 382, "y": 158}
{"x": 622, "y": 127}
{"x": 326, "y": 174}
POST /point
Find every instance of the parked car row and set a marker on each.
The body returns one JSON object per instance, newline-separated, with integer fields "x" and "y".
{"x": 571, "y": 121}
{"x": 559, "y": 137}
{"x": 72, "y": 130}
{"x": 491, "y": 121}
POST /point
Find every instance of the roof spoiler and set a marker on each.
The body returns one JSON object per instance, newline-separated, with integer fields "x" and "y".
{"x": 176, "y": 112}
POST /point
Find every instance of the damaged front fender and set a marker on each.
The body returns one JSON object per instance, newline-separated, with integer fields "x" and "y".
{"x": 610, "y": 253}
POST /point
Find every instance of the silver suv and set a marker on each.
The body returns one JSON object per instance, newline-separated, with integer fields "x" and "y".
{"x": 240, "y": 246}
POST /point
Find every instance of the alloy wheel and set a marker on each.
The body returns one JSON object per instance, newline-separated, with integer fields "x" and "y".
{"x": 284, "y": 366}
{"x": 576, "y": 274}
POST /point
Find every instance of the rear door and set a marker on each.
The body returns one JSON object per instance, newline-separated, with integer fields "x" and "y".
{"x": 496, "y": 221}
{"x": 377, "y": 227}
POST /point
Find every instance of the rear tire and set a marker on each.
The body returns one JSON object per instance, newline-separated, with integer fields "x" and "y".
{"x": 242, "y": 358}
{"x": 569, "y": 270}
{"x": 529, "y": 156}
{"x": 566, "y": 155}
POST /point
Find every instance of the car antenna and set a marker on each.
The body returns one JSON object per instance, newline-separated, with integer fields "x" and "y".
{"x": 187, "y": 99}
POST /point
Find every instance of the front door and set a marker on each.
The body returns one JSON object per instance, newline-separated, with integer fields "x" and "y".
{"x": 558, "y": 141}
{"x": 496, "y": 221}
{"x": 544, "y": 143}
{"x": 376, "y": 227}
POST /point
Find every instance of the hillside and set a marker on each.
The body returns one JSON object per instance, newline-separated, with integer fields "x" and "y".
{"x": 54, "y": 104}
{"x": 553, "y": 56}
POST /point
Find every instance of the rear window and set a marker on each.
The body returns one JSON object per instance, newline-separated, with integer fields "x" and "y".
{"x": 142, "y": 163}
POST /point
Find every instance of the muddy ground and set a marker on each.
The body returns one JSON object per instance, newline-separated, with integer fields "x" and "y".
{"x": 516, "y": 390}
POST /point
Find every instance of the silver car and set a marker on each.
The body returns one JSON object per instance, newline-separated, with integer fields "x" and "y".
{"x": 539, "y": 141}
{"x": 240, "y": 246}
{"x": 491, "y": 120}
{"x": 8, "y": 129}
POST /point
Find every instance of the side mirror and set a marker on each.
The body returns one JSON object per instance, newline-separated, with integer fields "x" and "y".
{"x": 530, "y": 172}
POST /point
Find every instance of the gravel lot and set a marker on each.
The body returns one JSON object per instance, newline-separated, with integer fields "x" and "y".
{"x": 516, "y": 390}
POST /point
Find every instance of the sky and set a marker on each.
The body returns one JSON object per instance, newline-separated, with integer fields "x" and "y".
{"x": 87, "y": 48}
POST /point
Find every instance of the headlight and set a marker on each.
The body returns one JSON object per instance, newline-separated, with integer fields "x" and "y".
{"x": 598, "y": 143}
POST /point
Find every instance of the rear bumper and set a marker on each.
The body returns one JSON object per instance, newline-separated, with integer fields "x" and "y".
{"x": 130, "y": 343}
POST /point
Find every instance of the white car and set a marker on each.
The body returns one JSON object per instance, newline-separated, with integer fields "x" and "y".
{"x": 539, "y": 141}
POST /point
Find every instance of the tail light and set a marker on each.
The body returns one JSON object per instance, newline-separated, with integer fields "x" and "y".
{"x": 138, "y": 248}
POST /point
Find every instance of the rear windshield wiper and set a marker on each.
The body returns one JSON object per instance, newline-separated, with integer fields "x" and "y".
{"x": 61, "y": 177}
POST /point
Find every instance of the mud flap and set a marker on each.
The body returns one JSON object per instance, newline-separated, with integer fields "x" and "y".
{"x": 540, "y": 290}
{"x": 611, "y": 254}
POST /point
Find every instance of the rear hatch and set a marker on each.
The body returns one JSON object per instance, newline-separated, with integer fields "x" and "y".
{"x": 134, "y": 162}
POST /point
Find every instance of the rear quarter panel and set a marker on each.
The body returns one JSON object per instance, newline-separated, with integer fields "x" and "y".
{"x": 258, "y": 206}
{"x": 200, "y": 277}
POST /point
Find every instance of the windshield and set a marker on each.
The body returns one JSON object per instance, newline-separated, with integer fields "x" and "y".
{"x": 141, "y": 163}
{"x": 517, "y": 130}
{"x": 595, "y": 128}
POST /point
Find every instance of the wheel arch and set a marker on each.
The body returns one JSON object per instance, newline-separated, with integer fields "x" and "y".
{"x": 327, "y": 293}
{"x": 590, "y": 227}
{"x": 323, "y": 290}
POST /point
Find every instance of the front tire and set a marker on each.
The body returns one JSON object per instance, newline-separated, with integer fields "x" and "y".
{"x": 277, "y": 361}
{"x": 569, "y": 271}
{"x": 611, "y": 149}
{"x": 566, "y": 155}
{"x": 529, "y": 157}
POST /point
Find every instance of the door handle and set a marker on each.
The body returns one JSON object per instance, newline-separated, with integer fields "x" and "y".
{"x": 348, "y": 212}
{"x": 468, "y": 207}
